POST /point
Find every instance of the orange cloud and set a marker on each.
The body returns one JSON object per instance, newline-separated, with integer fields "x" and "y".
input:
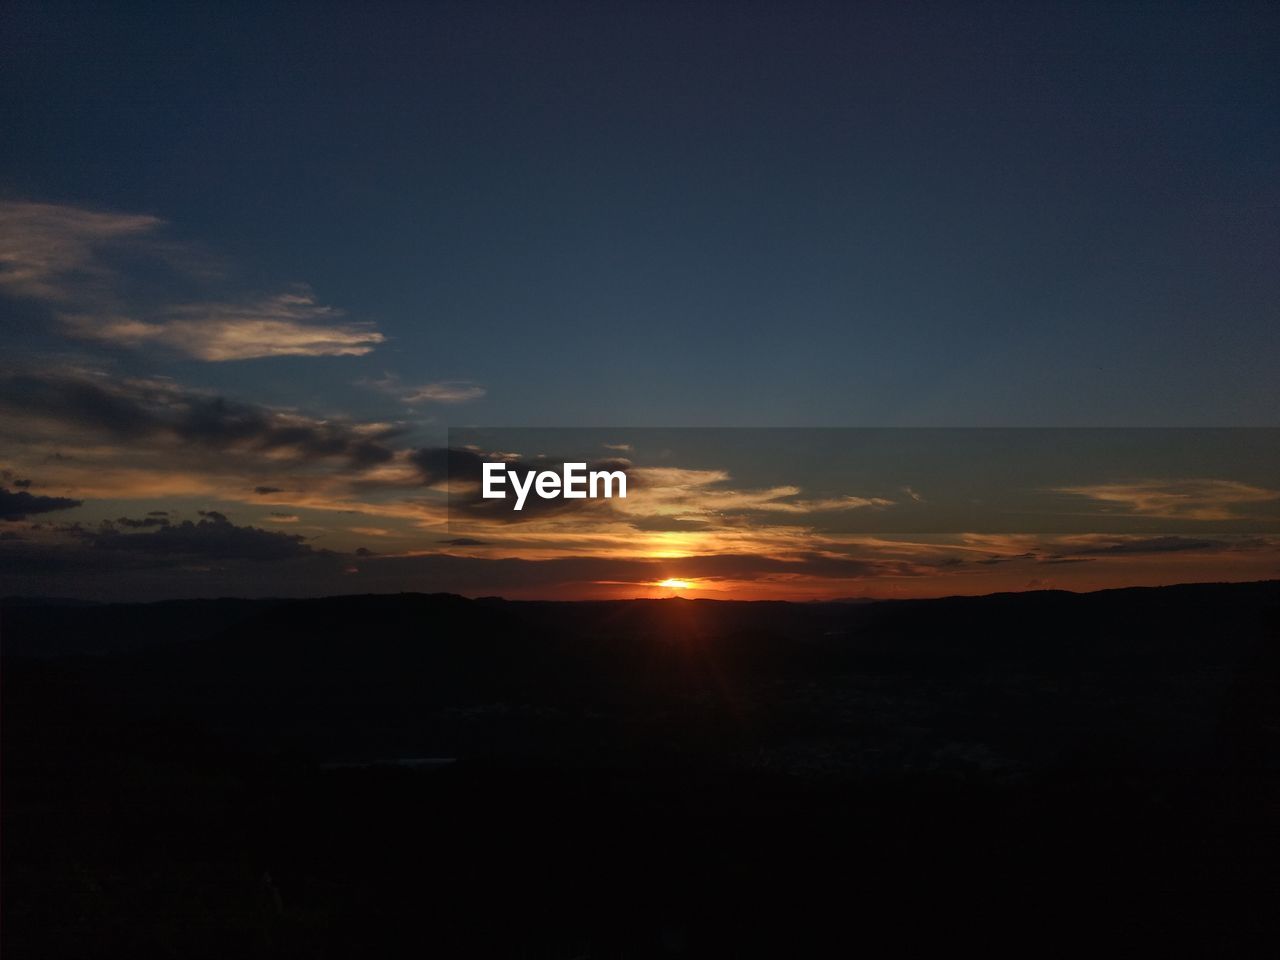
{"x": 290, "y": 324}
{"x": 1178, "y": 499}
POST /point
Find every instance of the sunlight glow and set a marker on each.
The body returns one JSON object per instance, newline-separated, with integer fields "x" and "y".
{"x": 674, "y": 584}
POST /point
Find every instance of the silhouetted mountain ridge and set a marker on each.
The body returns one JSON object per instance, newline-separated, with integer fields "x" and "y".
{"x": 221, "y": 777}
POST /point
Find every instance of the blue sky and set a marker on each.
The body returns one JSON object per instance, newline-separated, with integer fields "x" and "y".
{"x": 751, "y": 214}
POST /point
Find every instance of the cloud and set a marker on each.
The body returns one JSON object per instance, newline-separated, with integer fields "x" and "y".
{"x": 143, "y": 523}
{"x": 290, "y": 324}
{"x": 1104, "y": 546}
{"x": 18, "y": 505}
{"x": 782, "y": 504}
{"x": 658, "y": 498}
{"x": 1206, "y": 499}
{"x": 11, "y": 478}
{"x": 262, "y": 491}
{"x": 77, "y": 402}
{"x": 441, "y": 391}
{"x": 445, "y": 391}
{"x": 440, "y": 464}
{"x": 72, "y": 259}
{"x": 1158, "y": 545}
{"x": 1010, "y": 558}
{"x": 213, "y": 537}
{"x": 52, "y": 252}
{"x": 703, "y": 495}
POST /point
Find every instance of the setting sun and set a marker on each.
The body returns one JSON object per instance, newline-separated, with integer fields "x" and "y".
{"x": 674, "y": 584}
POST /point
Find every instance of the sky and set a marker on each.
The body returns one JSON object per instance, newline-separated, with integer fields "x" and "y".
{"x": 286, "y": 248}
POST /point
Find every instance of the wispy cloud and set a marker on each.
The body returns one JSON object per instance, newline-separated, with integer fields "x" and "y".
{"x": 287, "y": 324}
{"x": 1204, "y": 499}
{"x": 51, "y": 252}
{"x": 69, "y": 259}
{"x": 705, "y": 494}
{"x": 440, "y": 391}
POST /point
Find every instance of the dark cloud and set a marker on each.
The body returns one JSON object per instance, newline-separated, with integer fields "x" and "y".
{"x": 1156, "y": 546}
{"x": 213, "y": 537}
{"x": 263, "y": 491}
{"x": 136, "y": 411}
{"x": 989, "y": 561}
{"x": 18, "y": 505}
{"x": 438, "y": 464}
{"x": 13, "y": 480}
{"x": 1162, "y": 545}
{"x": 1170, "y": 544}
{"x": 462, "y": 542}
{"x": 145, "y": 522}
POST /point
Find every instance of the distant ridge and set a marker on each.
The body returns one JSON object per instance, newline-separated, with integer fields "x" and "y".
{"x": 17, "y": 600}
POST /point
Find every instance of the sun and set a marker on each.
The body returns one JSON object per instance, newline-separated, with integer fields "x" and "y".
{"x": 673, "y": 583}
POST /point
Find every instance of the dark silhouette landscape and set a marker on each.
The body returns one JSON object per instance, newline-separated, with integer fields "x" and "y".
{"x": 436, "y": 776}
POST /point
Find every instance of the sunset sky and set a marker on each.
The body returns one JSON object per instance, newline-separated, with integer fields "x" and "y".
{"x": 259, "y": 263}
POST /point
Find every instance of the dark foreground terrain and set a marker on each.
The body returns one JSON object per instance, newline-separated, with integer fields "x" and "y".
{"x": 431, "y": 776}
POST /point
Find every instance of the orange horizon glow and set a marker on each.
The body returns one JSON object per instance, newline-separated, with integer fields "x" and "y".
{"x": 924, "y": 588}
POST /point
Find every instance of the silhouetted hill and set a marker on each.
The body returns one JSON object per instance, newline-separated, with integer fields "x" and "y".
{"x": 383, "y": 675}
{"x": 638, "y": 778}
